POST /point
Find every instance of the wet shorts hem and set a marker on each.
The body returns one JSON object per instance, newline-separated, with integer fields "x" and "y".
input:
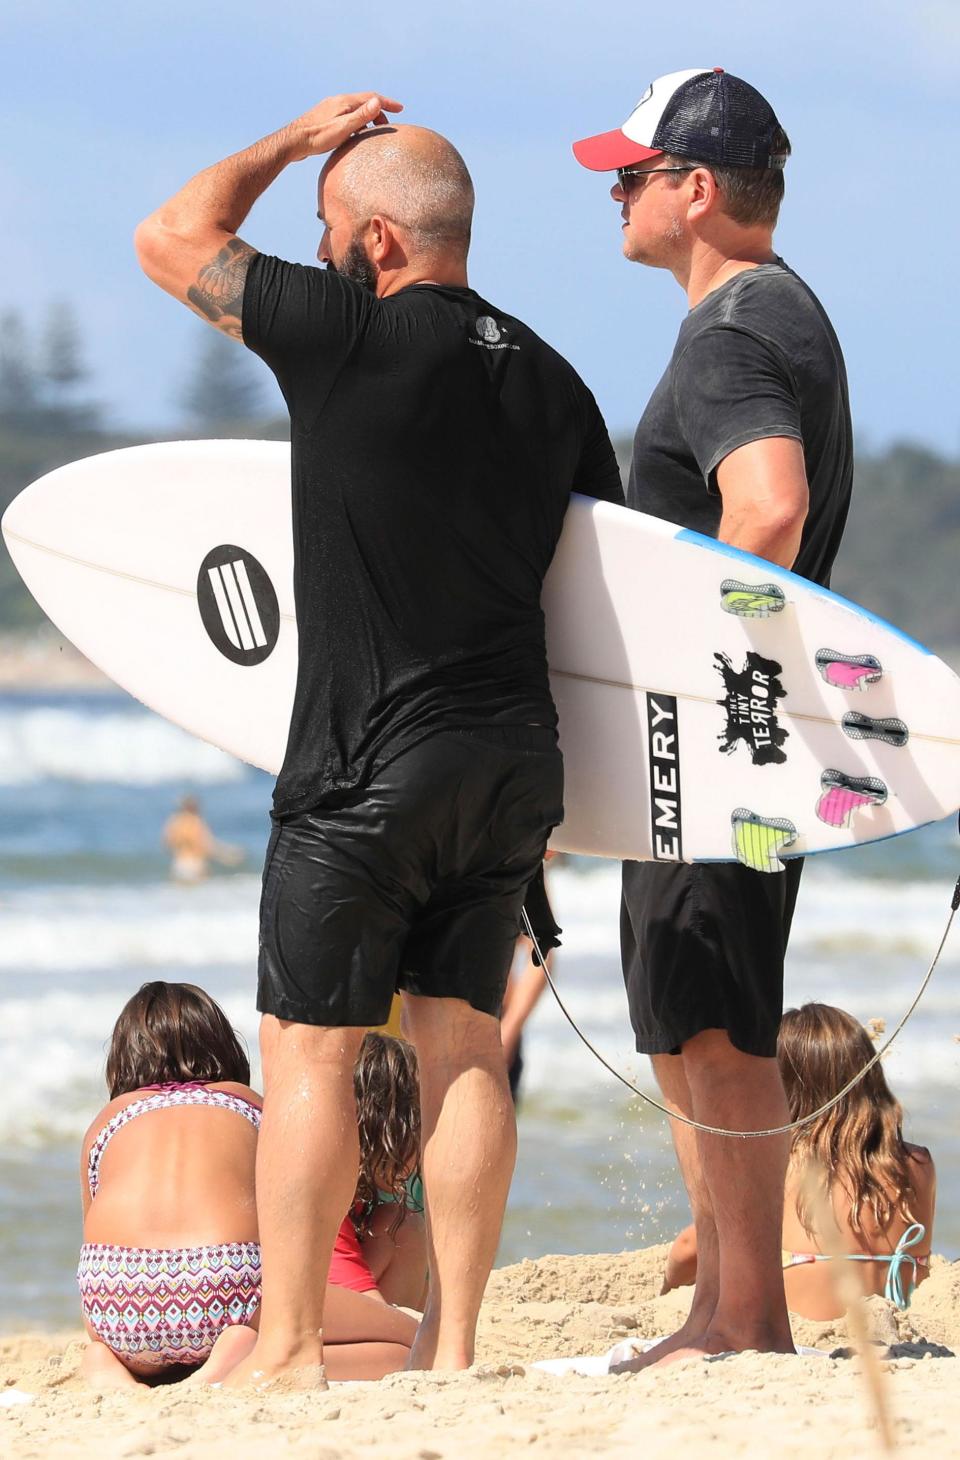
{"x": 486, "y": 1000}
{"x": 294, "y": 1013}
{"x": 763, "y": 1048}
{"x": 703, "y": 947}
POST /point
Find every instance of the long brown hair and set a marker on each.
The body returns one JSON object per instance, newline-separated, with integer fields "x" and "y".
{"x": 387, "y": 1086}
{"x": 170, "y": 1032}
{"x": 859, "y": 1143}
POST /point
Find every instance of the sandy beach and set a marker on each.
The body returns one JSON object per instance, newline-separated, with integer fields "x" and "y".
{"x": 745, "y": 1405}
{"x": 89, "y": 914}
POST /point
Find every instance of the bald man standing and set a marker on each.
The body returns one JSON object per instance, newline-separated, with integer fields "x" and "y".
{"x": 436, "y": 441}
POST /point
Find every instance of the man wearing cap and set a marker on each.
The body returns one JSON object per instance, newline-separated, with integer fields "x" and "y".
{"x": 747, "y": 438}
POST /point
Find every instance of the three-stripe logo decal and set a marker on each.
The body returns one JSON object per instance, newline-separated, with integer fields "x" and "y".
{"x": 239, "y": 615}
{"x": 238, "y": 604}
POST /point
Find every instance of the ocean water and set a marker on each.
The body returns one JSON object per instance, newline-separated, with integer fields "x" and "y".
{"x": 87, "y": 913}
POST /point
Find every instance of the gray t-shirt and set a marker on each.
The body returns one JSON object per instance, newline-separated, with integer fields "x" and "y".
{"x": 756, "y": 358}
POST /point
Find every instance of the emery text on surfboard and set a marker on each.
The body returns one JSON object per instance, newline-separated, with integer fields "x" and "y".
{"x": 664, "y": 741}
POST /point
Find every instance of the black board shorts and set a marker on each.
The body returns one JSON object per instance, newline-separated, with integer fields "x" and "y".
{"x": 413, "y": 883}
{"x": 703, "y": 948}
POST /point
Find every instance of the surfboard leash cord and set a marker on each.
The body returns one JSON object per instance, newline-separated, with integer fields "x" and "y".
{"x": 747, "y": 1135}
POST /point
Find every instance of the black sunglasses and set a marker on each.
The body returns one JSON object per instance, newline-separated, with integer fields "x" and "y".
{"x": 630, "y": 172}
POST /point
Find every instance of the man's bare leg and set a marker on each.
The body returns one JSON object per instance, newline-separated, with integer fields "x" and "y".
{"x": 469, "y": 1150}
{"x": 669, "y": 1071}
{"x": 744, "y": 1180}
{"x": 308, "y": 1157}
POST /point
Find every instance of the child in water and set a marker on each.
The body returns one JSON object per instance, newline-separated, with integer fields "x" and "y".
{"x": 882, "y": 1188}
{"x": 169, "y": 1270}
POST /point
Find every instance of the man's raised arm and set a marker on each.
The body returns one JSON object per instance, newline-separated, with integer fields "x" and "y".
{"x": 189, "y": 246}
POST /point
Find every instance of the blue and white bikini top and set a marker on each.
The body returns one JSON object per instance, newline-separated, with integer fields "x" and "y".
{"x": 900, "y": 1257}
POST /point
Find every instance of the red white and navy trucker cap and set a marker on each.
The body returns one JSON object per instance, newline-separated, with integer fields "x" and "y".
{"x": 707, "y": 115}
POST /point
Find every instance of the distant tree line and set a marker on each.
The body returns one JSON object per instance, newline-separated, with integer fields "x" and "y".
{"x": 223, "y": 387}
{"x": 899, "y": 555}
{"x": 44, "y": 378}
{"x": 48, "y": 415}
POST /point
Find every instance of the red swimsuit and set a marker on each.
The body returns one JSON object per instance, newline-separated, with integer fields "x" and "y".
{"x": 347, "y": 1267}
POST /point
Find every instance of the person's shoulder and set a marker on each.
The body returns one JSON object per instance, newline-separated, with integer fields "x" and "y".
{"x": 766, "y": 281}
{"x": 768, "y": 299}
{"x": 761, "y": 311}
{"x": 512, "y": 329}
{"x": 271, "y": 265}
{"x": 97, "y": 1124}
{"x": 234, "y": 1087}
{"x": 556, "y": 366}
{"x": 104, "y": 1116}
{"x": 275, "y": 282}
{"x": 919, "y": 1157}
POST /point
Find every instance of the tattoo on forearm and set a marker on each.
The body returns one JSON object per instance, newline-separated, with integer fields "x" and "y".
{"x": 218, "y": 292}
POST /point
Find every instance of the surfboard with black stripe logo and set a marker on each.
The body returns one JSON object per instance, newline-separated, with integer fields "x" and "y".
{"x": 712, "y": 706}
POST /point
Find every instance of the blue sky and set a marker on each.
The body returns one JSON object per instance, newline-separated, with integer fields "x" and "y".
{"x": 107, "y": 108}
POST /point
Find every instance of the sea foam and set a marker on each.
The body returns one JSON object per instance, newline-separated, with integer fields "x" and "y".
{"x": 41, "y": 742}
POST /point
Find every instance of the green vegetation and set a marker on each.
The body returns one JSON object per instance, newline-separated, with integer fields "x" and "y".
{"x": 901, "y": 549}
{"x": 45, "y": 421}
{"x": 899, "y": 556}
{"x": 29, "y": 451}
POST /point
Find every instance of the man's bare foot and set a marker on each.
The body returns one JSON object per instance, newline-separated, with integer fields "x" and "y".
{"x": 279, "y": 1381}
{"x": 684, "y": 1338}
{"x": 455, "y": 1363}
{"x": 710, "y": 1345}
{"x": 691, "y": 1330}
{"x": 428, "y": 1353}
{"x": 293, "y": 1374}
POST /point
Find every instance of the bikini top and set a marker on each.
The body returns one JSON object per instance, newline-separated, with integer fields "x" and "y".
{"x": 900, "y": 1256}
{"x": 166, "y": 1097}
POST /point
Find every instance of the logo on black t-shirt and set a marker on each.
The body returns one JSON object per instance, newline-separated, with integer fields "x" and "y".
{"x": 750, "y": 699}
{"x": 491, "y": 334}
{"x": 488, "y": 330}
{"x": 238, "y": 605}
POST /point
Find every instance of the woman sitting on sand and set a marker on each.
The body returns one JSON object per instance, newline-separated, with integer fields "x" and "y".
{"x": 169, "y": 1271}
{"x": 882, "y": 1188}
{"x": 381, "y": 1247}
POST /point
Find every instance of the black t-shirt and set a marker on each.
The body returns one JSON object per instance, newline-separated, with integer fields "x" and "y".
{"x": 436, "y": 441}
{"x": 756, "y": 358}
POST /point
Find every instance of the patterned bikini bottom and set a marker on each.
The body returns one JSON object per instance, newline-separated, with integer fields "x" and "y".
{"x": 155, "y": 1307}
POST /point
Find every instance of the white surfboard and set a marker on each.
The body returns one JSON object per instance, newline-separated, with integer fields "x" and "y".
{"x": 711, "y": 706}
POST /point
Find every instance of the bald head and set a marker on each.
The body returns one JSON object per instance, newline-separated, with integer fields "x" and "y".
{"x": 409, "y": 175}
